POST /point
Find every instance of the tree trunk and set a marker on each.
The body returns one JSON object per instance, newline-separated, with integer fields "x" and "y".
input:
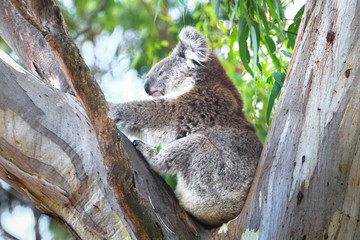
{"x": 307, "y": 184}
{"x": 71, "y": 162}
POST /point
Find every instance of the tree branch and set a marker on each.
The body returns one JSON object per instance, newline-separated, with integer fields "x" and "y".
{"x": 27, "y": 42}
{"x": 144, "y": 205}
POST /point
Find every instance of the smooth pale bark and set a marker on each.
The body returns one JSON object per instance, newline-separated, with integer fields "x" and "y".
{"x": 308, "y": 181}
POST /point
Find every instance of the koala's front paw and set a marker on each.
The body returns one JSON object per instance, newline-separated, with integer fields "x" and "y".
{"x": 147, "y": 151}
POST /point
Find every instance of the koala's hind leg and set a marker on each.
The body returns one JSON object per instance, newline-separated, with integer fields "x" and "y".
{"x": 174, "y": 155}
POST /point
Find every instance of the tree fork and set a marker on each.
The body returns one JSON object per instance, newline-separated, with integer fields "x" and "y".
{"x": 307, "y": 181}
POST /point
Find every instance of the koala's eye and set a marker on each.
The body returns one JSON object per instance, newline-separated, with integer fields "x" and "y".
{"x": 160, "y": 73}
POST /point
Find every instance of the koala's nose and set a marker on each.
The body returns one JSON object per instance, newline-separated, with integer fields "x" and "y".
{"x": 147, "y": 85}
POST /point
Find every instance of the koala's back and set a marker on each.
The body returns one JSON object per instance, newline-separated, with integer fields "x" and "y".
{"x": 214, "y": 184}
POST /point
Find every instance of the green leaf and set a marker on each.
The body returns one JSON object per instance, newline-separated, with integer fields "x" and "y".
{"x": 158, "y": 148}
{"x": 217, "y": 8}
{"x": 171, "y": 180}
{"x": 270, "y": 44}
{"x": 256, "y": 7}
{"x": 275, "y": 92}
{"x": 279, "y": 78}
{"x": 255, "y": 44}
{"x": 243, "y": 33}
{"x": 234, "y": 12}
{"x": 183, "y": 3}
{"x": 269, "y": 80}
{"x": 279, "y": 13}
{"x": 136, "y": 59}
{"x": 288, "y": 54}
{"x": 299, "y": 13}
{"x": 264, "y": 21}
{"x": 272, "y": 10}
{"x": 265, "y": 5}
{"x": 157, "y": 9}
{"x": 233, "y": 38}
{"x": 243, "y": 9}
{"x": 279, "y": 9}
{"x": 291, "y": 37}
{"x": 164, "y": 43}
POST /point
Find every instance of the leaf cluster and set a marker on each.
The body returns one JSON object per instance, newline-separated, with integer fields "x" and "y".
{"x": 262, "y": 38}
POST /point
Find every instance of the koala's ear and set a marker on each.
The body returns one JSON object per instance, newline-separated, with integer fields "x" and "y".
{"x": 192, "y": 46}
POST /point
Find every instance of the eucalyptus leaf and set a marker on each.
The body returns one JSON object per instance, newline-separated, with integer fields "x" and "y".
{"x": 299, "y": 13}
{"x": 243, "y": 33}
{"x": 183, "y": 3}
{"x": 217, "y": 8}
{"x": 255, "y": 45}
{"x": 234, "y": 11}
{"x": 157, "y": 9}
{"x": 288, "y": 54}
{"x": 272, "y": 10}
{"x": 275, "y": 92}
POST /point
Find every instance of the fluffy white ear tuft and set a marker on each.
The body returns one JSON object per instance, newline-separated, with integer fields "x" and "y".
{"x": 192, "y": 46}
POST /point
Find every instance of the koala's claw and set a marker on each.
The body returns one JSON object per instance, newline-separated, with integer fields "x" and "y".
{"x": 147, "y": 151}
{"x": 136, "y": 143}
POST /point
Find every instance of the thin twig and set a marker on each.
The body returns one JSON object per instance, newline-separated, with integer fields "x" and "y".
{"x": 293, "y": 33}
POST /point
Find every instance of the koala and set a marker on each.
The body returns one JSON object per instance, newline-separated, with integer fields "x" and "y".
{"x": 196, "y": 114}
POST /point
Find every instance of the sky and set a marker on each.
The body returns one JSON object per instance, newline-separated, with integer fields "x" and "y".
{"x": 119, "y": 83}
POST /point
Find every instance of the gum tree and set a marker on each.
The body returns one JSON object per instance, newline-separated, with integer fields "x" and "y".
{"x": 64, "y": 153}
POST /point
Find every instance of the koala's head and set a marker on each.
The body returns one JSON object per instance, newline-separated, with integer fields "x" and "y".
{"x": 176, "y": 74}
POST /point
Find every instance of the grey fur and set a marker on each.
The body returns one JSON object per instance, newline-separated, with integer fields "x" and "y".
{"x": 198, "y": 118}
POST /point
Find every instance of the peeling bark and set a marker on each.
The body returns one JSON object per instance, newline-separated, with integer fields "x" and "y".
{"x": 30, "y": 46}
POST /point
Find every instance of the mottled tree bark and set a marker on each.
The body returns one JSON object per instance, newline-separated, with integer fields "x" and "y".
{"x": 69, "y": 159}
